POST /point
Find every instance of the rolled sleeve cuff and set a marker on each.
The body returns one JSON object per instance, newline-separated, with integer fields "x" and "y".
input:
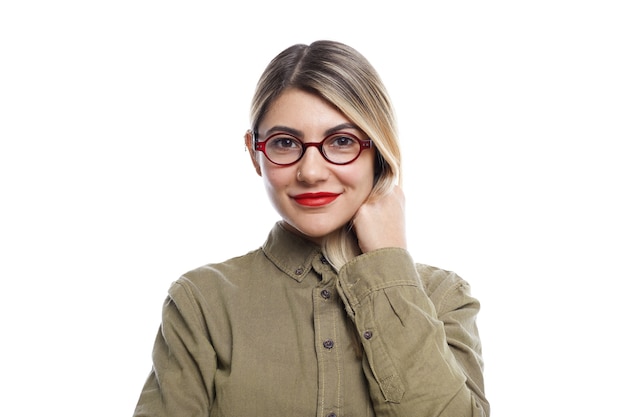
{"x": 376, "y": 270}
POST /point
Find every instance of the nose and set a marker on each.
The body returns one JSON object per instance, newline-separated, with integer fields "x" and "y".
{"x": 312, "y": 167}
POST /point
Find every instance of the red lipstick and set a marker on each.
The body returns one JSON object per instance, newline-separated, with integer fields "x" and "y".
{"x": 315, "y": 199}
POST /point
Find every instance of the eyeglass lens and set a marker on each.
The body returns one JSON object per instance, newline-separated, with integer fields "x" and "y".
{"x": 339, "y": 148}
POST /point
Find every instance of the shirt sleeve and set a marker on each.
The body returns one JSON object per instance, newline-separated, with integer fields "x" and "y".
{"x": 181, "y": 381}
{"x": 422, "y": 354}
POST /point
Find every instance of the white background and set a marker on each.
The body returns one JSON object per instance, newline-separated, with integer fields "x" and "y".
{"x": 122, "y": 166}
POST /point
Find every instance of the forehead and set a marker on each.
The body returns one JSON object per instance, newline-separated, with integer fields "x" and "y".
{"x": 302, "y": 111}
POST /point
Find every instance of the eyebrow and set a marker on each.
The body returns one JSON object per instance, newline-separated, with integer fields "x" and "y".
{"x": 299, "y": 133}
{"x": 342, "y": 126}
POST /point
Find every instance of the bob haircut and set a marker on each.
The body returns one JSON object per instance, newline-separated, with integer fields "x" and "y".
{"x": 344, "y": 78}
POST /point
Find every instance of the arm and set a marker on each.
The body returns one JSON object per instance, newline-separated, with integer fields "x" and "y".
{"x": 181, "y": 381}
{"x": 419, "y": 361}
{"x": 418, "y": 328}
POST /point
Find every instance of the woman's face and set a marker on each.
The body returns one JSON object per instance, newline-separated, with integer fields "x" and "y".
{"x": 313, "y": 196}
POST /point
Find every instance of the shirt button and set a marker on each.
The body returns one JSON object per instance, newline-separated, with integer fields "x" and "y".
{"x": 325, "y": 294}
{"x": 367, "y": 335}
{"x": 328, "y": 344}
{"x": 299, "y": 271}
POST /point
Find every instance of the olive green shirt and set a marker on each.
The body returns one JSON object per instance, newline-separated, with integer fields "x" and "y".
{"x": 279, "y": 332}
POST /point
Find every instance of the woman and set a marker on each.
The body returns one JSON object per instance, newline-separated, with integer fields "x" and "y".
{"x": 331, "y": 316}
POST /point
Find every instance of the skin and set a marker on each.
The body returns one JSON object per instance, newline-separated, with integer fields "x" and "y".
{"x": 378, "y": 222}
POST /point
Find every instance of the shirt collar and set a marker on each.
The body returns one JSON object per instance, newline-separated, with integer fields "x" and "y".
{"x": 291, "y": 253}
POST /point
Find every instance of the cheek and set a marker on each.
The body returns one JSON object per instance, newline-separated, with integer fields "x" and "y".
{"x": 361, "y": 176}
{"x": 275, "y": 178}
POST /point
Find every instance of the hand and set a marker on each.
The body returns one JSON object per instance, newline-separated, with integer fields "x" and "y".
{"x": 379, "y": 222}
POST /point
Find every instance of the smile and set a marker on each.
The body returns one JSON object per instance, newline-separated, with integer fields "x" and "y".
{"x": 315, "y": 199}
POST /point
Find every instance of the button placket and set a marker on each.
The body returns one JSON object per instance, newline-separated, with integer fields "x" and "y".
{"x": 327, "y": 318}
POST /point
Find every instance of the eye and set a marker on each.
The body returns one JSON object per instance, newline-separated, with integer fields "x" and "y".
{"x": 342, "y": 142}
{"x": 284, "y": 143}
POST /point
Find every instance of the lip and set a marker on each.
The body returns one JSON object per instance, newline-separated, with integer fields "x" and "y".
{"x": 315, "y": 199}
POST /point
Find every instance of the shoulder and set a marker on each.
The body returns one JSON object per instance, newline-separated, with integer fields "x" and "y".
{"x": 445, "y": 288}
{"x": 230, "y": 266}
{"x": 215, "y": 276}
{"x": 211, "y": 289}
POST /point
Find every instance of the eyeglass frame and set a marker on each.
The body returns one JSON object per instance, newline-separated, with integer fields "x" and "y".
{"x": 363, "y": 144}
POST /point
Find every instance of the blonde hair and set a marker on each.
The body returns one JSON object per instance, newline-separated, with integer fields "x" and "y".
{"x": 345, "y": 78}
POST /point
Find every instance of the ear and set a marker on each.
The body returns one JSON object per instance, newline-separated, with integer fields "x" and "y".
{"x": 252, "y": 152}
